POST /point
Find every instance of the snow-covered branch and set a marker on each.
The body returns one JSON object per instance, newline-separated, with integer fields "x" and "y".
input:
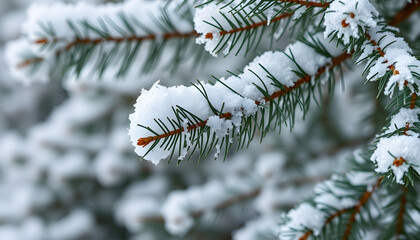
{"x": 389, "y": 58}
{"x": 405, "y": 13}
{"x": 321, "y": 4}
{"x": 398, "y": 149}
{"x": 268, "y": 186}
{"x": 65, "y": 37}
{"x": 225, "y": 106}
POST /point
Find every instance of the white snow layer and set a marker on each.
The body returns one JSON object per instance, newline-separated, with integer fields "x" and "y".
{"x": 214, "y": 22}
{"x": 304, "y": 216}
{"x": 399, "y": 152}
{"x": 270, "y": 164}
{"x": 389, "y": 149}
{"x": 133, "y": 212}
{"x": 403, "y": 63}
{"x": 403, "y": 118}
{"x": 180, "y": 206}
{"x": 346, "y": 16}
{"x": 57, "y": 22}
{"x": 111, "y": 168}
{"x": 157, "y": 102}
{"x": 254, "y": 229}
{"x": 78, "y": 223}
{"x": 329, "y": 194}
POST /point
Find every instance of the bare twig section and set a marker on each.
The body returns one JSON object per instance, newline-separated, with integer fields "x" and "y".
{"x": 307, "y": 234}
{"x": 132, "y": 38}
{"x": 413, "y": 100}
{"x": 308, "y": 3}
{"x": 399, "y": 161}
{"x": 405, "y": 13}
{"x": 401, "y": 212}
{"x": 307, "y": 78}
{"x": 250, "y": 27}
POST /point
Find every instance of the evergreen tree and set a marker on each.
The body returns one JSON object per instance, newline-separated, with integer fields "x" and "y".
{"x": 329, "y": 88}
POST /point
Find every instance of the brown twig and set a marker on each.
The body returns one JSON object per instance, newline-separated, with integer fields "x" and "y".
{"x": 401, "y": 212}
{"x": 308, "y": 233}
{"x": 134, "y": 38}
{"x": 406, "y": 12}
{"x": 249, "y": 27}
{"x": 29, "y": 62}
{"x": 308, "y": 3}
{"x": 335, "y": 61}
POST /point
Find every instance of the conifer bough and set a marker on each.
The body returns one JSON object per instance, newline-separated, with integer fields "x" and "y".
{"x": 380, "y": 189}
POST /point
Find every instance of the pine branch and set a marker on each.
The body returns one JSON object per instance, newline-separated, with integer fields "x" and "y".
{"x": 30, "y": 61}
{"x": 363, "y": 200}
{"x": 240, "y": 26}
{"x": 337, "y": 214}
{"x": 401, "y": 212}
{"x": 104, "y": 40}
{"x": 235, "y": 199}
{"x": 335, "y": 62}
{"x": 370, "y": 33}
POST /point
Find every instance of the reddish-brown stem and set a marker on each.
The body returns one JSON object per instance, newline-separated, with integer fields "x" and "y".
{"x": 306, "y": 235}
{"x": 335, "y": 61}
{"x": 406, "y": 12}
{"x": 363, "y": 200}
{"x": 133, "y": 38}
{"x": 166, "y": 36}
{"x": 256, "y": 25}
{"x": 249, "y": 27}
{"x": 413, "y": 100}
{"x": 94, "y": 41}
{"x": 30, "y": 61}
{"x": 308, "y": 3}
{"x": 401, "y": 212}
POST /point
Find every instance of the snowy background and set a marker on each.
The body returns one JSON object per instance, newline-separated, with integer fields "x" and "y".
{"x": 68, "y": 170}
